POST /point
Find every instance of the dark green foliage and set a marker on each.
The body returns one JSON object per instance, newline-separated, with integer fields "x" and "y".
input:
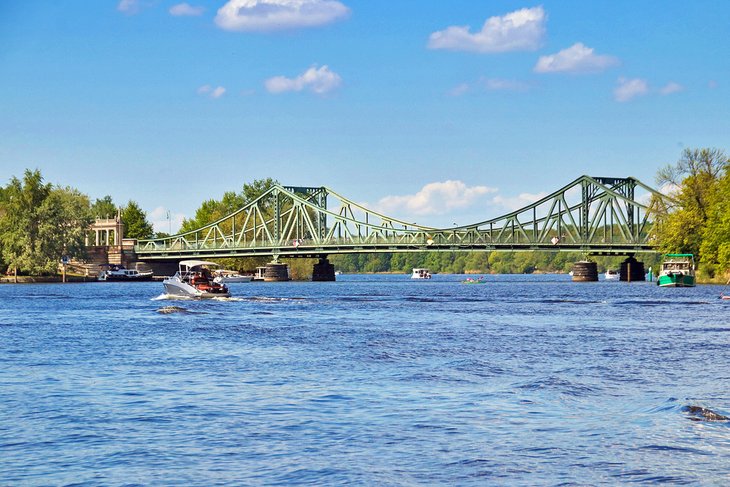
{"x": 40, "y": 223}
{"x": 700, "y": 223}
{"x": 104, "y": 208}
{"x": 213, "y": 210}
{"x": 474, "y": 262}
{"x": 135, "y": 222}
{"x": 715, "y": 246}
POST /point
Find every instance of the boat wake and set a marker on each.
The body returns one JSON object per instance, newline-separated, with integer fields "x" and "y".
{"x": 167, "y": 310}
{"x": 165, "y": 297}
{"x": 267, "y": 299}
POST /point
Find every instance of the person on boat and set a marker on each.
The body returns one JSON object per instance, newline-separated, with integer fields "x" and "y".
{"x": 197, "y": 279}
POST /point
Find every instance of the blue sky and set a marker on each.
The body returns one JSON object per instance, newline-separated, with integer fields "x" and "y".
{"x": 432, "y": 111}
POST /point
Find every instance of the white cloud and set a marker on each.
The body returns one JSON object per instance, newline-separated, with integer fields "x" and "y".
{"x": 628, "y": 89}
{"x": 670, "y": 88}
{"x": 163, "y": 220}
{"x": 434, "y": 199}
{"x": 670, "y": 189}
{"x": 490, "y": 84}
{"x": 128, "y": 6}
{"x": 578, "y": 58}
{"x": 184, "y": 9}
{"x": 271, "y": 15}
{"x": 516, "y": 202}
{"x": 461, "y": 89}
{"x": 317, "y": 80}
{"x": 208, "y": 90}
{"x": 521, "y": 30}
{"x": 496, "y": 84}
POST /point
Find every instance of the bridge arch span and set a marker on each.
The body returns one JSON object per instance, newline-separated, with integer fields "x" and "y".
{"x": 590, "y": 214}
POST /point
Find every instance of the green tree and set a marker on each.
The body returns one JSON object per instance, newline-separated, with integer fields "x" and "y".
{"x": 19, "y": 225}
{"x": 715, "y": 247}
{"x": 39, "y": 224}
{"x": 213, "y": 210}
{"x": 696, "y": 176}
{"x": 65, "y": 221}
{"x": 208, "y": 212}
{"x": 135, "y": 222}
{"x": 104, "y": 208}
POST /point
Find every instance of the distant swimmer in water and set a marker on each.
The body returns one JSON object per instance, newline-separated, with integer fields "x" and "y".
{"x": 704, "y": 414}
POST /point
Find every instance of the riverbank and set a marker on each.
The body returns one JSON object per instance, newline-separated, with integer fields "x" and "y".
{"x": 44, "y": 279}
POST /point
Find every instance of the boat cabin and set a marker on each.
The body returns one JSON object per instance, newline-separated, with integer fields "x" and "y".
{"x": 421, "y": 273}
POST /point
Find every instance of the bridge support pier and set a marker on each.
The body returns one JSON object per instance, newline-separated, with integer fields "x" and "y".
{"x": 585, "y": 271}
{"x": 276, "y": 272}
{"x": 632, "y": 270}
{"x": 323, "y": 271}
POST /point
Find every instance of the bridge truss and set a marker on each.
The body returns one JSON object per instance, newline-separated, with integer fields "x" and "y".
{"x": 591, "y": 214}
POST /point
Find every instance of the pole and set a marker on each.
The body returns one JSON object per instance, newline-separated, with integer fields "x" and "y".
{"x": 628, "y": 272}
{"x": 63, "y": 278}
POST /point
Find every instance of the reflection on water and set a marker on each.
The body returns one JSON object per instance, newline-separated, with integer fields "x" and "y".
{"x": 523, "y": 380}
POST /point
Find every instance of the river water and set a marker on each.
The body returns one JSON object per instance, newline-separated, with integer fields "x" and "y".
{"x": 372, "y": 380}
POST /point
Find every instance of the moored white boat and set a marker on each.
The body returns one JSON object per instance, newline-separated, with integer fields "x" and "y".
{"x": 421, "y": 273}
{"x": 224, "y": 276}
{"x": 194, "y": 280}
{"x": 113, "y": 272}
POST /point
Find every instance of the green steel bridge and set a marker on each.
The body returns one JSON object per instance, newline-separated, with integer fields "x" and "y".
{"x": 594, "y": 215}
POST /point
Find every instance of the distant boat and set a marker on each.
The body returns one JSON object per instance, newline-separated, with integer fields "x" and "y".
{"x": 224, "y": 276}
{"x": 612, "y": 275}
{"x": 678, "y": 270}
{"x": 469, "y": 280}
{"x": 113, "y": 272}
{"x": 421, "y": 273}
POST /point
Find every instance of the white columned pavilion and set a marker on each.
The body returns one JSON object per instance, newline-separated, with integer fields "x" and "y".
{"x": 107, "y": 232}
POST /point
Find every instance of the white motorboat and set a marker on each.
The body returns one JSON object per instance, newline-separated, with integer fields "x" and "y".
{"x": 612, "y": 275}
{"x": 194, "y": 279}
{"x": 113, "y": 272}
{"x": 224, "y": 276}
{"x": 421, "y": 273}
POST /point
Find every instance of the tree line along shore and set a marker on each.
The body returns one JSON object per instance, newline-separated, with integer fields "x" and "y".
{"x": 41, "y": 222}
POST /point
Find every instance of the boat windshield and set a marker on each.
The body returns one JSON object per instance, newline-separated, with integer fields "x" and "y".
{"x": 676, "y": 265}
{"x": 189, "y": 268}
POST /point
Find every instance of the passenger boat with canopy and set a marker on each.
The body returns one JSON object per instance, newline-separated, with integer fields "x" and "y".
{"x": 421, "y": 273}
{"x": 678, "y": 270}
